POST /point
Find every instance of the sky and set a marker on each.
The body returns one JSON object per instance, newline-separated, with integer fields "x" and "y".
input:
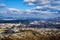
{"x": 30, "y": 8}
{"x": 18, "y": 4}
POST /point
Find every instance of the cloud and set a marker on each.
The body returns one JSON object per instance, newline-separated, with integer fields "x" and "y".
{"x": 44, "y": 3}
{"x": 42, "y": 9}
{"x": 3, "y": 8}
{"x": 30, "y": 4}
{"x": 37, "y": 2}
{"x": 2, "y": 5}
{"x": 9, "y": 12}
{"x": 13, "y": 9}
{"x": 13, "y": 13}
{"x": 47, "y": 8}
{"x": 29, "y": 0}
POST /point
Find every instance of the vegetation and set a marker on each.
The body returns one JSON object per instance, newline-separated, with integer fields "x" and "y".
{"x": 37, "y": 34}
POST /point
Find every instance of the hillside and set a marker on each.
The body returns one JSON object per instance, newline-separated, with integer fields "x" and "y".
{"x": 32, "y": 34}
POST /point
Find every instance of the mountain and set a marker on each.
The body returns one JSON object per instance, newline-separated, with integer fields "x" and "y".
{"x": 55, "y": 19}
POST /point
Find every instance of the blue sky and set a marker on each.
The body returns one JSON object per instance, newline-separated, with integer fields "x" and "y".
{"x": 32, "y": 8}
{"x": 18, "y": 4}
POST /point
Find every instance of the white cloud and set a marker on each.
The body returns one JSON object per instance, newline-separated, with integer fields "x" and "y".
{"x": 40, "y": 5}
{"x": 30, "y": 4}
{"x": 2, "y": 5}
{"x": 45, "y": 3}
{"x": 13, "y": 9}
{"x": 29, "y": 0}
{"x": 36, "y": 2}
